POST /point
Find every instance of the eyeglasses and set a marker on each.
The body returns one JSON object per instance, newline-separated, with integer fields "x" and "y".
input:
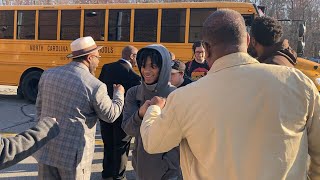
{"x": 98, "y": 57}
{"x": 199, "y": 52}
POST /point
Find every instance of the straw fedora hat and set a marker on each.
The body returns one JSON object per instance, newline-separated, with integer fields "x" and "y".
{"x": 83, "y": 46}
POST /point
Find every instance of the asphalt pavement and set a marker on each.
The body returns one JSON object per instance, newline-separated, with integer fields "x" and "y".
{"x": 17, "y": 115}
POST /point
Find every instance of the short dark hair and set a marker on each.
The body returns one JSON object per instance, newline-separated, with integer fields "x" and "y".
{"x": 224, "y": 26}
{"x": 197, "y": 44}
{"x": 266, "y": 30}
{"x": 127, "y": 51}
{"x": 81, "y": 58}
{"x": 143, "y": 54}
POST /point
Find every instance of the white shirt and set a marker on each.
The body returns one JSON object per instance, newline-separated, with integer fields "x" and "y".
{"x": 126, "y": 62}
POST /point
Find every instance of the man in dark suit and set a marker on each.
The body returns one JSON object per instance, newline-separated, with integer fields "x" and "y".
{"x": 116, "y": 141}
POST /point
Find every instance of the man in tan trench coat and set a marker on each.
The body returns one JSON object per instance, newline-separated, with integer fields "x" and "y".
{"x": 243, "y": 121}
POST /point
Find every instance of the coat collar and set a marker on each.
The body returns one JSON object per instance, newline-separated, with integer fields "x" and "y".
{"x": 231, "y": 60}
{"x": 126, "y": 61}
{"x": 80, "y": 65}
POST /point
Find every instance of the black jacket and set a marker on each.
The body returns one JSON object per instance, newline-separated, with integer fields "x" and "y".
{"x": 186, "y": 81}
{"x": 119, "y": 72}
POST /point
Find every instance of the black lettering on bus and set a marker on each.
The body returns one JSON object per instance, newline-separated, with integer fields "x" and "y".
{"x": 57, "y": 48}
{"x": 36, "y": 47}
{"x": 107, "y": 50}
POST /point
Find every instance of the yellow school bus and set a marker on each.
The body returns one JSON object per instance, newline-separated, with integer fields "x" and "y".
{"x": 35, "y": 38}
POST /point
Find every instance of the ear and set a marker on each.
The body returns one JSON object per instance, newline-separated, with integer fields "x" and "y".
{"x": 207, "y": 51}
{"x": 89, "y": 59}
{"x": 131, "y": 56}
{"x": 253, "y": 42}
{"x": 248, "y": 40}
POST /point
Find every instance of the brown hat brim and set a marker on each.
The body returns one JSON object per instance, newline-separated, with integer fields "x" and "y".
{"x": 84, "y": 53}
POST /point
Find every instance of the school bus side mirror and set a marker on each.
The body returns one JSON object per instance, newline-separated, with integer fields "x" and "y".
{"x": 301, "y": 39}
{"x": 300, "y": 48}
{"x": 262, "y": 9}
{"x": 302, "y": 30}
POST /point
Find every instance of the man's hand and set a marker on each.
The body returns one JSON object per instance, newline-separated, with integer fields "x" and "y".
{"x": 49, "y": 119}
{"x": 118, "y": 87}
{"x": 159, "y": 101}
{"x": 143, "y": 108}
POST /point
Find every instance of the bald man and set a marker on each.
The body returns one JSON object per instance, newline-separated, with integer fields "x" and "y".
{"x": 116, "y": 141}
{"x": 244, "y": 120}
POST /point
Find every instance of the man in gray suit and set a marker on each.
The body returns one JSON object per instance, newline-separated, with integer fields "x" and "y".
{"x": 76, "y": 98}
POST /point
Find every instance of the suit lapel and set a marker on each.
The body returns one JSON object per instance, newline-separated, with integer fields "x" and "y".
{"x": 123, "y": 63}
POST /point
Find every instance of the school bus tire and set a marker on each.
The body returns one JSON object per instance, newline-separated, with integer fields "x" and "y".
{"x": 30, "y": 85}
{"x": 20, "y": 93}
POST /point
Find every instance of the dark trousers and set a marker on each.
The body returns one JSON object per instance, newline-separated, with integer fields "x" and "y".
{"x": 116, "y": 150}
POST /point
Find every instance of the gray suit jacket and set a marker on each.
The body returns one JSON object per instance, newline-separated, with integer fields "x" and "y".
{"x": 15, "y": 149}
{"x": 76, "y": 99}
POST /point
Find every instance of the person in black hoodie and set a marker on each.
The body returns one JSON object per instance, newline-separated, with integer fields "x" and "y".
{"x": 266, "y": 34}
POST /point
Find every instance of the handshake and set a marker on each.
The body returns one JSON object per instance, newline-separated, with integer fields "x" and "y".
{"x": 159, "y": 101}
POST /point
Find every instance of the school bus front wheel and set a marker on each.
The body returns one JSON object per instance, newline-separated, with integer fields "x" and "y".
{"x": 29, "y": 86}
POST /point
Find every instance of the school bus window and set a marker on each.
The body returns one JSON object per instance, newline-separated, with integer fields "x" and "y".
{"x": 197, "y": 17}
{"x": 48, "y": 24}
{"x": 173, "y": 25}
{"x": 70, "y": 24}
{"x": 145, "y": 25}
{"x": 6, "y": 24}
{"x": 119, "y": 25}
{"x": 26, "y": 23}
{"x": 94, "y": 24}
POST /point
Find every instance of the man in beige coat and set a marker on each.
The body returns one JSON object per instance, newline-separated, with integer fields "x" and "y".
{"x": 244, "y": 121}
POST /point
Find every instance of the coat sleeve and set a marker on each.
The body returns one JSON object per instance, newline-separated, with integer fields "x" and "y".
{"x": 131, "y": 121}
{"x": 313, "y": 129}
{"x": 107, "y": 110}
{"x": 160, "y": 129}
{"x": 15, "y": 149}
